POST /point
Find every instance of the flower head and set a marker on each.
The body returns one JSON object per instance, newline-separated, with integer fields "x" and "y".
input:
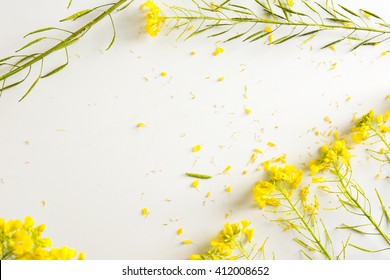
{"x": 335, "y": 154}
{"x": 22, "y": 241}
{"x": 154, "y": 18}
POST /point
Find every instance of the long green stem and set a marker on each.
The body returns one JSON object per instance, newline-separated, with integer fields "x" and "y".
{"x": 382, "y": 138}
{"x": 66, "y": 42}
{"x": 307, "y": 227}
{"x": 277, "y": 22}
{"x": 357, "y": 204}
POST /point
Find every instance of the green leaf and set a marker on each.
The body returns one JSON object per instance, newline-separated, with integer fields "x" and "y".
{"x": 31, "y": 43}
{"x": 349, "y": 11}
{"x": 31, "y": 88}
{"x": 113, "y": 35}
{"x": 235, "y": 37}
{"x": 362, "y": 43}
{"x": 39, "y": 31}
{"x": 253, "y": 35}
{"x": 197, "y": 32}
{"x": 284, "y": 11}
{"x": 333, "y": 43}
{"x": 310, "y": 33}
{"x": 310, "y": 7}
{"x": 291, "y": 11}
{"x": 218, "y": 34}
{"x": 77, "y": 15}
{"x": 340, "y": 20}
{"x": 283, "y": 39}
{"x": 58, "y": 69}
{"x": 325, "y": 9}
{"x": 69, "y": 4}
{"x": 371, "y": 14}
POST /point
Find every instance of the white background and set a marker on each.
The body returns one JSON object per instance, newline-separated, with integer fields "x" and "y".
{"x": 74, "y": 144}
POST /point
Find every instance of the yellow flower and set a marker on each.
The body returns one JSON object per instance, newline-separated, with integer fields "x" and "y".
{"x": 335, "y": 154}
{"x": 249, "y": 234}
{"x": 263, "y": 193}
{"x": 196, "y": 148}
{"x": 154, "y": 19}
{"x": 145, "y": 211}
{"x": 268, "y": 29}
{"x": 304, "y": 194}
{"x": 218, "y": 51}
{"x": 82, "y": 256}
{"x": 23, "y": 241}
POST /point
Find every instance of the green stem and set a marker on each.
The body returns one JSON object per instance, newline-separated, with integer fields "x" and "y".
{"x": 380, "y": 136}
{"x": 276, "y": 22}
{"x": 307, "y": 227}
{"x": 242, "y": 249}
{"x": 66, "y": 42}
{"x": 349, "y": 196}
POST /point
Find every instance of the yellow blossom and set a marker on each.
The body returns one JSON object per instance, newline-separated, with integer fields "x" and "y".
{"x": 268, "y": 29}
{"x": 145, "y": 211}
{"x": 196, "y": 148}
{"x": 271, "y": 144}
{"x": 154, "y": 18}
{"x": 227, "y": 169}
{"x": 218, "y": 51}
{"x": 23, "y": 241}
{"x": 195, "y": 184}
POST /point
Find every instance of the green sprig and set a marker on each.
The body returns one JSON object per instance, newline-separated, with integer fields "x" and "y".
{"x": 19, "y": 63}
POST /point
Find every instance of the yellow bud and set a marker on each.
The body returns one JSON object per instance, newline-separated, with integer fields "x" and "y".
{"x": 28, "y": 222}
{"x": 82, "y": 256}
{"x": 379, "y": 119}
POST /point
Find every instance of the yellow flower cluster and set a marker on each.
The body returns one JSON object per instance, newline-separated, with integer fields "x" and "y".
{"x": 22, "y": 241}
{"x": 331, "y": 157}
{"x": 368, "y": 124}
{"x": 231, "y": 239}
{"x": 282, "y": 179}
{"x": 154, "y": 19}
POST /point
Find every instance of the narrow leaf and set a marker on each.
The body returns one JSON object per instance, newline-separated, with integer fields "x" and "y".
{"x": 310, "y": 7}
{"x": 284, "y": 11}
{"x": 349, "y": 11}
{"x": 333, "y": 43}
{"x": 339, "y": 20}
{"x": 218, "y": 34}
{"x": 77, "y": 15}
{"x": 39, "y": 31}
{"x": 235, "y": 37}
{"x": 283, "y": 39}
{"x": 258, "y": 37}
{"x": 31, "y": 43}
{"x": 370, "y": 13}
{"x": 362, "y": 43}
{"x": 253, "y": 35}
{"x": 31, "y": 88}
{"x": 113, "y": 35}
{"x": 325, "y": 9}
{"x": 384, "y": 210}
{"x": 291, "y": 11}
{"x": 58, "y": 69}
{"x": 309, "y": 33}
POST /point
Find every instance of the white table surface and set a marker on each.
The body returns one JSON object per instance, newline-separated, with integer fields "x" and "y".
{"x": 74, "y": 144}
